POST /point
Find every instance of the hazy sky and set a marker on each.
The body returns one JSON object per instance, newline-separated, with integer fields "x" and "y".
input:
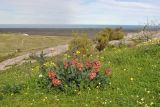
{"x": 78, "y": 11}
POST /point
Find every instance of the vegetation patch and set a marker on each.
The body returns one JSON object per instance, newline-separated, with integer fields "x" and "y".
{"x": 13, "y": 44}
{"x": 80, "y": 42}
{"x": 73, "y": 76}
{"x": 114, "y": 77}
{"x": 107, "y": 35}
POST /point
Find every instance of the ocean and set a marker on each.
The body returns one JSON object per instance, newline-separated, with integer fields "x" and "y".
{"x": 125, "y": 27}
{"x": 62, "y": 30}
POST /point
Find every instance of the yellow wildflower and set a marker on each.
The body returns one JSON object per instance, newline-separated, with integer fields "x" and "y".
{"x": 102, "y": 57}
{"x": 65, "y": 55}
{"x": 78, "y": 52}
{"x": 68, "y": 56}
{"x": 52, "y": 63}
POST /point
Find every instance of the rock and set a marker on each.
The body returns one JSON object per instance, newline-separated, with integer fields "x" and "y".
{"x": 115, "y": 43}
{"x": 128, "y": 43}
{"x": 143, "y": 35}
{"x": 129, "y": 39}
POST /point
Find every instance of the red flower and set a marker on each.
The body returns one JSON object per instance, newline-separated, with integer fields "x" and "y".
{"x": 95, "y": 70}
{"x": 51, "y": 75}
{"x": 108, "y": 71}
{"x": 66, "y": 65}
{"x": 79, "y": 66}
{"x": 74, "y": 62}
{"x": 88, "y": 64}
{"x": 96, "y": 65}
{"x": 56, "y": 82}
{"x": 92, "y": 75}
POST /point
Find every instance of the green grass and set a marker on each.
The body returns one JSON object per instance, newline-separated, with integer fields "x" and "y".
{"x": 15, "y": 44}
{"x": 134, "y": 83}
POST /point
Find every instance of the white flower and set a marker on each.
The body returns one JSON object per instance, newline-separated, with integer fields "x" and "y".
{"x": 148, "y": 92}
{"x": 151, "y": 103}
{"x": 40, "y": 75}
{"x": 142, "y": 99}
{"x": 131, "y": 79}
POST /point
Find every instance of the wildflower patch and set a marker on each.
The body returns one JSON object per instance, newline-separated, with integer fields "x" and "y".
{"x": 74, "y": 75}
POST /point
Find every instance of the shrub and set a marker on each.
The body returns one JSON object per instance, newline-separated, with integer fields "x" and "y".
{"x": 101, "y": 41}
{"x": 81, "y": 43}
{"x": 15, "y": 88}
{"x": 115, "y": 34}
{"x": 74, "y": 74}
{"x": 40, "y": 59}
{"x": 106, "y": 35}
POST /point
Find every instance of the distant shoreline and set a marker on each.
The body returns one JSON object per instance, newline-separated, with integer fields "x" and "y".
{"x": 64, "y": 30}
{"x": 56, "y": 31}
{"x": 67, "y": 26}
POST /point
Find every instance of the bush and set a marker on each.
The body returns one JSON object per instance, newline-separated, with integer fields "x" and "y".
{"x": 115, "y": 34}
{"x": 71, "y": 76}
{"x": 81, "y": 43}
{"x": 106, "y": 35}
{"x": 15, "y": 88}
{"x": 101, "y": 41}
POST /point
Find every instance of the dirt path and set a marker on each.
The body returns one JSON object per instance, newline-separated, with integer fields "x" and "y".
{"x": 21, "y": 59}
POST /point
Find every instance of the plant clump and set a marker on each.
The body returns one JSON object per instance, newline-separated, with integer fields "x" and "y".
{"x": 73, "y": 74}
{"x": 81, "y": 43}
{"x": 107, "y": 35}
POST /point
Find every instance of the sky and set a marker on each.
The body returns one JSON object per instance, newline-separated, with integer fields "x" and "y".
{"x": 102, "y": 12}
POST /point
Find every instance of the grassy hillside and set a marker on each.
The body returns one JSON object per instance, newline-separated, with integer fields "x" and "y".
{"x": 134, "y": 83}
{"x": 15, "y": 44}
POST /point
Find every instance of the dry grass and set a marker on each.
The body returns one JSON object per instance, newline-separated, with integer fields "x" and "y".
{"x": 15, "y": 44}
